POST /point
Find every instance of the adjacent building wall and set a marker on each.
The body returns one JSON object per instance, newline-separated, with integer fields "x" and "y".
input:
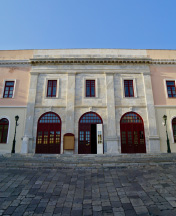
{"x": 163, "y": 104}
{"x": 10, "y": 107}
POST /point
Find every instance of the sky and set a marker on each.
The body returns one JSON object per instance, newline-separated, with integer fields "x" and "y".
{"x": 62, "y": 24}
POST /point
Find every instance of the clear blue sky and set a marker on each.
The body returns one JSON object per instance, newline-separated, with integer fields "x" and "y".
{"x": 56, "y": 24}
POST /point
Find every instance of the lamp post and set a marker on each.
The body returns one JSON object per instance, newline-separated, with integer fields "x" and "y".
{"x": 168, "y": 143}
{"x": 14, "y": 139}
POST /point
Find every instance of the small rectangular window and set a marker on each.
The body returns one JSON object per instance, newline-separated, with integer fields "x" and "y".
{"x": 128, "y": 88}
{"x": 171, "y": 89}
{"x": 90, "y": 88}
{"x": 52, "y": 87}
{"x": 8, "y": 89}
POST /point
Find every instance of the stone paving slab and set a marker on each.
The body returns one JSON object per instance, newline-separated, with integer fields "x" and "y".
{"x": 105, "y": 190}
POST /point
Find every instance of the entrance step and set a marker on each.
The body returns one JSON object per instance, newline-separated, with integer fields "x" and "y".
{"x": 35, "y": 161}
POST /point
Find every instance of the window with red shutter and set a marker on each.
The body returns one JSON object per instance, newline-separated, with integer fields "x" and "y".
{"x": 52, "y": 88}
{"x": 90, "y": 88}
{"x": 128, "y": 88}
{"x": 171, "y": 89}
{"x": 8, "y": 89}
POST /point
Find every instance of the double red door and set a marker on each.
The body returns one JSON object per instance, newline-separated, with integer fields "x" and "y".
{"x": 48, "y": 138}
{"x": 132, "y": 138}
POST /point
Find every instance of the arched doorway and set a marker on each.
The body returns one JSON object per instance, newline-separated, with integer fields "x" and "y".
{"x": 132, "y": 133}
{"x": 48, "y": 134}
{"x": 4, "y": 125}
{"x": 90, "y": 134}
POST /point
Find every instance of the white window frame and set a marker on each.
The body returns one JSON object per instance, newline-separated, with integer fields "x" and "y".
{"x": 84, "y": 87}
{"x": 172, "y": 129}
{"x": 46, "y": 88}
{"x": 8, "y": 80}
{"x": 123, "y": 87}
{"x": 1, "y": 117}
{"x": 165, "y": 80}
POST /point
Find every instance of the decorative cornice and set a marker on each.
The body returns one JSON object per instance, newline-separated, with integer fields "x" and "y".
{"x": 14, "y": 62}
{"x": 83, "y": 61}
{"x": 41, "y": 61}
{"x": 104, "y": 61}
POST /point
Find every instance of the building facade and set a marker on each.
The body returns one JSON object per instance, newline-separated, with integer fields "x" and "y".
{"x": 14, "y": 85}
{"x": 89, "y": 101}
{"x": 163, "y": 83}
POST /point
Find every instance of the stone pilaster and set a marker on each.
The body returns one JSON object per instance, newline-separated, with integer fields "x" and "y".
{"x": 154, "y": 142}
{"x": 70, "y": 103}
{"x": 28, "y": 134}
{"x": 112, "y": 145}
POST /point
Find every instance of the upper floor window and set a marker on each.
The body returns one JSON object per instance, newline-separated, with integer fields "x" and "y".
{"x": 128, "y": 88}
{"x": 90, "y": 88}
{"x": 52, "y": 87}
{"x": 174, "y": 128}
{"x": 171, "y": 89}
{"x": 8, "y": 89}
{"x": 4, "y": 125}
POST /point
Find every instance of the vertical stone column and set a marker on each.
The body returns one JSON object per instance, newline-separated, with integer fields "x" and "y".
{"x": 70, "y": 103}
{"x": 154, "y": 142}
{"x": 28, "y": 132}
{"x": 112, "y": 145}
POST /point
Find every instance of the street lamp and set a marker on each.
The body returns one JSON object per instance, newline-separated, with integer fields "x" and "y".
{"x": 168, "y": 143}
{"x": 14, "y": 141}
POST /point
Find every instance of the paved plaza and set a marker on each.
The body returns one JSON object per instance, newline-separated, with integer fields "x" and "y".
{"x": 123, "y": 191}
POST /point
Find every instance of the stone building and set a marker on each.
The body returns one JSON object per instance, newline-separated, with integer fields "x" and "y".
{"x": 87, "y": 101}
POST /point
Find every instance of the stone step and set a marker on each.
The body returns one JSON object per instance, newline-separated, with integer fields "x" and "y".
{"x": 35, "y": 161}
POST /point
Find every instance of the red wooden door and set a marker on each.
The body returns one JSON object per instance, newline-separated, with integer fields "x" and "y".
{"x": 48, "y": 135}
{"x": 84, "y": 139}
{"x": 132, "y": 134}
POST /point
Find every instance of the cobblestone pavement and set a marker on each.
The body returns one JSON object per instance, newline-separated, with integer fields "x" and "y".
{"x": 89, "y": 191}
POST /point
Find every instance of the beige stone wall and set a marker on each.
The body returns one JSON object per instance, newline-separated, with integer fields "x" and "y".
{"x": 171, "y": 113}
{"x": 10, "y": 114}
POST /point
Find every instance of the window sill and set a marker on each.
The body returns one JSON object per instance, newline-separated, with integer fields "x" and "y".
{"x": 7, "y": 98}
{"x": 130, "y": 97}
{"x": 90, "y": 97}
{"x": 46, "y": 98}
{"x": 3, "y": 143}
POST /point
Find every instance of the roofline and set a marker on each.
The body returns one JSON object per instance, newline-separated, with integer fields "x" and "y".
{"x": 88, "y": 49}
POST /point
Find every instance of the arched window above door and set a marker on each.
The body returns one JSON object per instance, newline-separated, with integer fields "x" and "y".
{"x": 4, "y": 125}
{"x": 91, "y": 117}
{"x": 131, "y": 117}
{"x": 49, "y": 118}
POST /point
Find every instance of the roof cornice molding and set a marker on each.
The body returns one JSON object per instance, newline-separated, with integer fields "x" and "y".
{"x": 83, "y": 61}
{"x": 111, "y": 61}
{"x": 14, "y": 62}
